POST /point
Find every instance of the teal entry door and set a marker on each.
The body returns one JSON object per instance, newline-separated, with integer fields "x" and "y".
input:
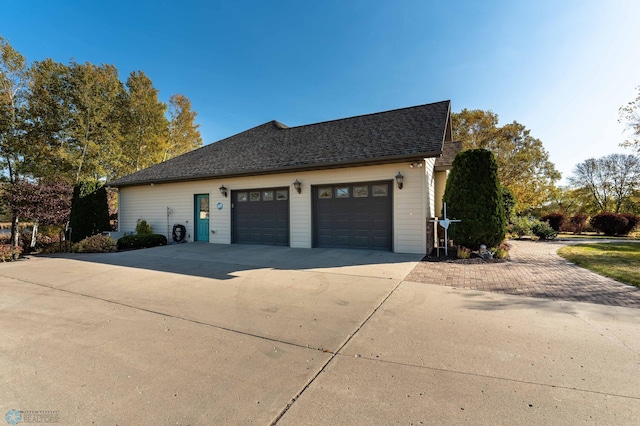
{"x": 201, "y": 232}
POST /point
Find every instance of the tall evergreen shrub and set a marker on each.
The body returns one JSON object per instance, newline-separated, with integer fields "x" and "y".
{"x": 473, "y": 194}
{"x": 89, "y": 210}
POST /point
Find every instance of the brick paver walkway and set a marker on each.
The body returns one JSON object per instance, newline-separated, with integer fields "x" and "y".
{"x": 534, "y": 270}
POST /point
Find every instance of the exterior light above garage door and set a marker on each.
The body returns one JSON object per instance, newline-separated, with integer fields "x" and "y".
{"x": 223, "y": 191}
{"x": 298, "y": 186}
{"x": 399, "y": 180}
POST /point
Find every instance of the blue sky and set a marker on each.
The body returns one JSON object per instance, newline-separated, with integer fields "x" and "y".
{"x": 562, "y": 68}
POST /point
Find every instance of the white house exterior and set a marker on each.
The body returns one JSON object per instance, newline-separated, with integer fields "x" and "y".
{"x": 243, "y": 188}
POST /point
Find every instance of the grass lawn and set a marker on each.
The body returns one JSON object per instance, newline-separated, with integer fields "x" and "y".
{"x": 593, "y": 235}
{"x": 620, "y": 261}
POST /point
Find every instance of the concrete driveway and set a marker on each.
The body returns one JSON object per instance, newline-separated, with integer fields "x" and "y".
{"x": 200, "y": 334}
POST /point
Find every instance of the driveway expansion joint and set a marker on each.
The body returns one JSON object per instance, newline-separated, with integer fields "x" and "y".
{"x": 486, "y": 376}
{"x": 333, "y": 356}
{"x": 151, "y": 311}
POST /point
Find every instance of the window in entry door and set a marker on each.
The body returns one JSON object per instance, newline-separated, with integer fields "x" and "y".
{"x": 204, "y": 208}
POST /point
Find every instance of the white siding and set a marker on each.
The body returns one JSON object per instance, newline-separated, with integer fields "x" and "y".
{"x": 440, "y": 183}
{"x": 429, "y": 177}
{"x": 150, "y": 203}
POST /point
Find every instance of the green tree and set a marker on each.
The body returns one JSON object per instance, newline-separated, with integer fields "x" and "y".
{"x": 145, "y": 127}
{"x": 509, "y": 202}
{"x": 473, "y": 194}
{"x": 523, "y": 163}
{"x": 79, "y": 122}
{"x": 14, "y": 82}
{"x": 565, "y": 200}
{"x": 96, "y": 108}
{"x": 630, "y": 116}
{"x": 47, "y": 122}
{"x": 184, "y": 135}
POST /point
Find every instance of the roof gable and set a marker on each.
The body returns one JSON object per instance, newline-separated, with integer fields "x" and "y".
{"x": 449, "y": 152}
{"x": 407, "y": 133}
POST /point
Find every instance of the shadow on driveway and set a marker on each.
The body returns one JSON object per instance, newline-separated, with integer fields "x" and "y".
{"x": 221, "y": 261}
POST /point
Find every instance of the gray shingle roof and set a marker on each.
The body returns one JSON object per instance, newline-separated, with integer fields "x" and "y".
{"x": 407, "y": 133}
{"x": 449, "y": 152}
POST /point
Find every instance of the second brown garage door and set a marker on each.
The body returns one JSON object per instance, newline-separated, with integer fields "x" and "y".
{"x": 353, "y": 215}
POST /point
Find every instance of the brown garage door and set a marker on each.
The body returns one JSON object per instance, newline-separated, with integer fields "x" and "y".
{"x": 353, "y": 215}
{"x": 261, "y": 216}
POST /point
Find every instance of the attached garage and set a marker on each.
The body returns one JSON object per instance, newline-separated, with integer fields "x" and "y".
{"x": 354, "y": 215}
{"x": 261, "y": 216}
{"x": 364, "y": 182}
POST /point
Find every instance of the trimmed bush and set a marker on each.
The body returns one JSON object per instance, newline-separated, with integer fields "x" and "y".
{"x": 95, "y": 244}
{"x": 632, "y": 224}
{"x": 141, "y": 241}
{"x": 463, "y": 253}
{"x": 59, "y": 247}
{"x": 543, "y": 230}
{"x": 520, "y": 226}
{"x": 8, "y": 254}
{"x": 578, "y": 223}
{"x": 535, "y": 228}
{"x": 473, "y": 194}
{"x": 501, "y": 252}
{"x": 556, "y": 220}
{"x": 609, "y": 223}
{"x": 143, "y": 228}
{"x": 46, "y": 235}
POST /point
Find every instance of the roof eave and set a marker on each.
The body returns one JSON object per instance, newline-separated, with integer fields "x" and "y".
{"x": 288, "y": 169}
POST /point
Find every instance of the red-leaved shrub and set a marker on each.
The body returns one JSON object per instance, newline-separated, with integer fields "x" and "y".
{"x": 632, "y": 224}
{"x": 610, "y": 223}
{"x": 556, "y": 220}
{"x": 578, "y": 223}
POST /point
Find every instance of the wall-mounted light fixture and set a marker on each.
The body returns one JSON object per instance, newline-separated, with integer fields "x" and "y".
{"x": 223, "y": 191}
{"x": 298, "y": 186}
{"x": 399, "y": 180}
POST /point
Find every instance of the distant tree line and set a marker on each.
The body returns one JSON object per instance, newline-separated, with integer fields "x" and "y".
{"x": 603, "y": 193}
{"x": 607, "y": 184}
{"x": 69, "y": 123}
{"x": 610, "y": 184}
{"x": 630, "y": 117}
